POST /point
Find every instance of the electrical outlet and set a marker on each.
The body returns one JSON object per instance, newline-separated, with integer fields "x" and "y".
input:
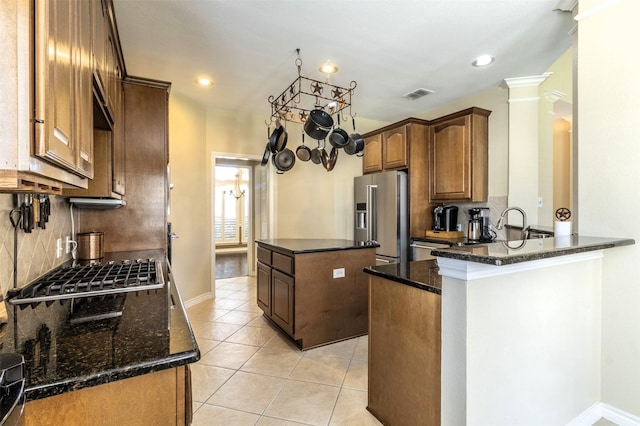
{"x": 539, "y": 201}
{"x": 58, "y": 247}
{"x": 67, "y": 244}
{"x": 459, "y": 227}
{"x": 338, "y": 273}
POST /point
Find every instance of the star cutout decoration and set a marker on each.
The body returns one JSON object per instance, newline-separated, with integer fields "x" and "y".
{"x": 303, "y": 116}
{"x": 336, "y": 92}
{"x": 316, "y": 88}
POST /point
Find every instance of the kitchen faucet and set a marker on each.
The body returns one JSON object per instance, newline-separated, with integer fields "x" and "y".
{"x": 525, "y": 228}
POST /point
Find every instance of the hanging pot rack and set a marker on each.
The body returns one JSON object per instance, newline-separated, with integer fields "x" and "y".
{"x": 305, "y": 94}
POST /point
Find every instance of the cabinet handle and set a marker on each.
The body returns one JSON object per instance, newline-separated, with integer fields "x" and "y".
{"x": 38, "y": 120}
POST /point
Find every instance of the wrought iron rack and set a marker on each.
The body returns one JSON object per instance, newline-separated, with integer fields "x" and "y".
{"x": 306, "y": 94}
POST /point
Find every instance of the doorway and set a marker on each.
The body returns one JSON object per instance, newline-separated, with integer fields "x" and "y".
{"x": 240, "y": 213}
{"x": 231, "y": 217}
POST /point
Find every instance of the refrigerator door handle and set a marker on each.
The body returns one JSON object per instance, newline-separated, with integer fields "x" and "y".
{"x": 372, "y": 220}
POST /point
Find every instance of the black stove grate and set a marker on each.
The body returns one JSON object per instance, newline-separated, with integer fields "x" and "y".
{"x": 91, "y": 280}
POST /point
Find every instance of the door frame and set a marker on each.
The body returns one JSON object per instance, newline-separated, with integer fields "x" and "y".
{"x": 258, "y": 191}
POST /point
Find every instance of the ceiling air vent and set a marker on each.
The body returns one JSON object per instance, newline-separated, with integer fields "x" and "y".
{"x": 418, "y": 93}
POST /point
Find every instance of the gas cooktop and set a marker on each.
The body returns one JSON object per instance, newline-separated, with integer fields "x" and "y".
{"x": 90, "y": 280}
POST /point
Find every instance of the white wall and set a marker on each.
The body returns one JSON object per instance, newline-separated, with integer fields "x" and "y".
{"x": 609, "y": 177}
{"x": 495, "y": 100}
{"x": 309, "y": 201}
{"x": 191, "y": 253}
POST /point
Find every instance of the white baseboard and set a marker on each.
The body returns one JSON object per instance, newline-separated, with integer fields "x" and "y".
{"x": 620, "y": 417}
{"x": 600, "y": 410}
{"x": 191, "y": 302}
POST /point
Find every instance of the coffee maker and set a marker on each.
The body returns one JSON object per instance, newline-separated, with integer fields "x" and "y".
{"x": 478, "y": 229}
{"x": 445, "y": 218}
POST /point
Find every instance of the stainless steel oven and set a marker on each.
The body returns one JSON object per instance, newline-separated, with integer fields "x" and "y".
{"x": 421, "y": 250}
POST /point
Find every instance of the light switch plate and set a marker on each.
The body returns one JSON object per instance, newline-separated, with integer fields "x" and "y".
{"x": 338, "y": 273}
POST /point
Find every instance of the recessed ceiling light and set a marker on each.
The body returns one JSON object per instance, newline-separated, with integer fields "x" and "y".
{"x": 483, "y": 61}
{"x": 328, "y": 68}
{"x": 204, "y": 82}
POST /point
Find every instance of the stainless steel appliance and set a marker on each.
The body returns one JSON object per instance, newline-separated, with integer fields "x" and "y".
{"x": 479, "y": 229}
{"x": 381, "y": 214}
{"x": 421, "y": 250}
{"x": 89, "y": 280}
{"x": 445, "y": 218}
{"x": 12, "y": 374}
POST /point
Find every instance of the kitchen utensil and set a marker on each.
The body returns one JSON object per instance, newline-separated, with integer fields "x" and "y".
{"x": 284, "y": 160}
{"x": 315, "y": 155}
{"x": 333, "y": 157}
{"x": 318, "y": 124}
{"x": 474, "y": 230}
{"x": 339, "y": 138}
{"x": 303, "y": 152}
{"x": 276, "y": 139}
{"x": 355, "y": 144}
{"x": 90, "y": 245}
{"x": 265, "y": 156}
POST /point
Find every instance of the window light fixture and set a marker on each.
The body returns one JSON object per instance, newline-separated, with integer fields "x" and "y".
{"x": 483, "y": 61}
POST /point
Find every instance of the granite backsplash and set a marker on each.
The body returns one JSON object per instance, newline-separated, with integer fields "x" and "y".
{"x": 36, "y": 250}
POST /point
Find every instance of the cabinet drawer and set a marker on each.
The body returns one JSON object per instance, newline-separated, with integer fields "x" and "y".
{"x": 283, "y": 263}
{"x": 264, "y": 255}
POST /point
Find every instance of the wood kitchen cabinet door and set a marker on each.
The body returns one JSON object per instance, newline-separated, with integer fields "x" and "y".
{"x": 459, "y": 157}
{"x": 394, "y": 149}
{"x": 54, "y": 82}
{"x": 451, "y": 145}
{"x": 282, "y": 301}
{"x": 372, "y": 158}
{"x": 263, "y": 279}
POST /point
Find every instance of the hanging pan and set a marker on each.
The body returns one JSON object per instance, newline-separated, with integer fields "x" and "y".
{"x": 303, "y": 152}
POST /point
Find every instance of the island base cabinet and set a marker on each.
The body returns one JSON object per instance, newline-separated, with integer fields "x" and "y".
{"x": 304, "y": 295}
{"x": 404, "y": 354}
{"x": 159, "y": 398}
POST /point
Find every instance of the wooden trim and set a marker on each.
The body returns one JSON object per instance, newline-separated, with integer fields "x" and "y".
{"x": 395, "y": 125}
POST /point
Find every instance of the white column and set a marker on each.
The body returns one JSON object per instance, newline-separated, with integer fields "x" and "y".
{"x": 523, "y": 144}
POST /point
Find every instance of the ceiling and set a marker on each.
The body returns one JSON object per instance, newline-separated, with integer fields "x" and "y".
{"x": 390, "y": 48}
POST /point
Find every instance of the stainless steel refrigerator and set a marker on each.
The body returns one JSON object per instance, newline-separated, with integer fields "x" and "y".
{"x": 381, "y": 214}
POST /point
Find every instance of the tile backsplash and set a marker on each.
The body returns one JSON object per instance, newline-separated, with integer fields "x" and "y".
{"x": 36, "y": 250}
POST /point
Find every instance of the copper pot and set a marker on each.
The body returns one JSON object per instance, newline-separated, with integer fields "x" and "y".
{"x": 90, "y": 245}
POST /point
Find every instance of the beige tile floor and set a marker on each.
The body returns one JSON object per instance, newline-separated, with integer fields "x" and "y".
{"x": 249, "y": 374}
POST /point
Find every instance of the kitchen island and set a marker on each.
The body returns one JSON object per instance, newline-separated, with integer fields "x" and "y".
{"x": 314, "y": 290}
{"x": 520, "y": 329}
{"x": 404, "y": 343}
{"x": 130, "y": 368}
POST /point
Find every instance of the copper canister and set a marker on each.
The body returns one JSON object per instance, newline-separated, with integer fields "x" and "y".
{"x": 90, "y": 245}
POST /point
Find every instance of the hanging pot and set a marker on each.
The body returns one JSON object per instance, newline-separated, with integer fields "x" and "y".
{"x": 284, "y": 160}
{"x": 318, "y": 124}
{"x": 355, "y": 145}
{"x": 339, "y": 138}
{"x": 303, "y": 152}
{"x": 265, "y": 156}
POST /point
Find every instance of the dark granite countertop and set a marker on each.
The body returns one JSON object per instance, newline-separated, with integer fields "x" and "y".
{"x": 153, "y": 333}
{"x": 310, "y": 245}
{"x": 422, "y": 274}
{"x": 510, "y": 252}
